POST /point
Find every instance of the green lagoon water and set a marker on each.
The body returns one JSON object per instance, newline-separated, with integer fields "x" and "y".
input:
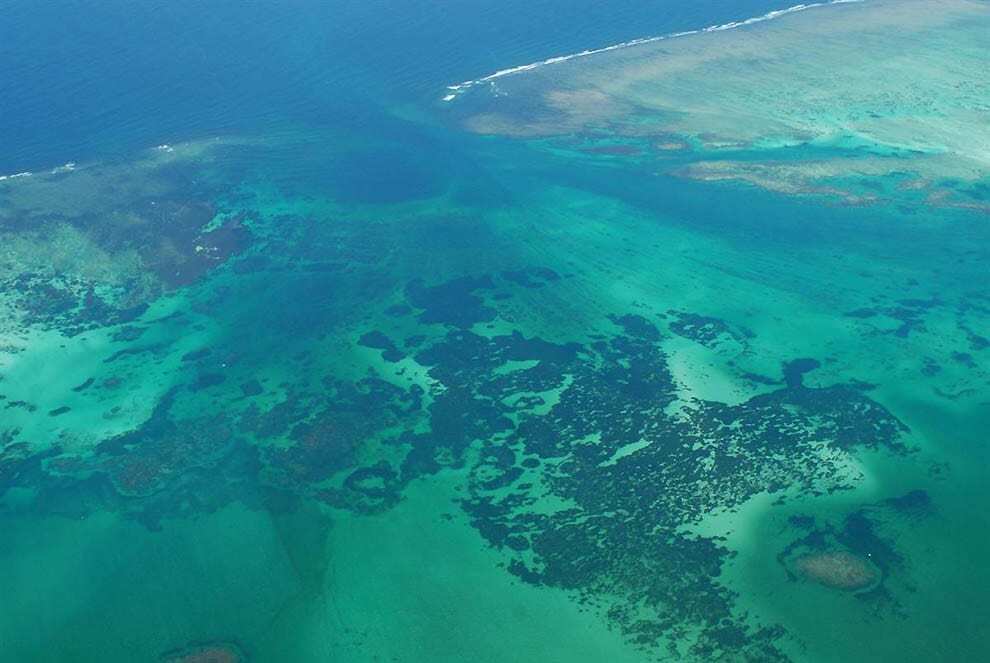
{"x": 587, "y": 363}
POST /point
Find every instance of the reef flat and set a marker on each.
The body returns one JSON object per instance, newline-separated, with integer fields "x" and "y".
{"x": 828, "y": 100}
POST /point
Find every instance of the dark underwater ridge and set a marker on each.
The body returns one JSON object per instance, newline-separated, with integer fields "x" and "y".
{"x": 323, "y": 342}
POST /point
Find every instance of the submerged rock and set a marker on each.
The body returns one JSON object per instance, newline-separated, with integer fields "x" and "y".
{"x": 838, "y": 569}
{"x": 217, "y": 652}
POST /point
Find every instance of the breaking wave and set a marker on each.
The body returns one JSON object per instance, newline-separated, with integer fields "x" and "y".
{"x": 457, "y": 89}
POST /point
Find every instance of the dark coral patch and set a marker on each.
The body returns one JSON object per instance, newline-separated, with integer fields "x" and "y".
{"x": 706, "y": 330}
{"x": 535, "y": 277}
{"x": 621, "y": 535}
{"x": 252, "y": 388}
{"x": 454, "y": 303}
{"x": 171, "y": 238}
{"x": 794, "y": 371}
{"x": 70, "y": 305}
{"x": 379, "y": 341}
{"x": 213, "y": 652}
{"x": 84, "y": 385}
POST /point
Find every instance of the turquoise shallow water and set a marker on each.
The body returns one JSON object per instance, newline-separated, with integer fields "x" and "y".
{"x": 296, "y": 365}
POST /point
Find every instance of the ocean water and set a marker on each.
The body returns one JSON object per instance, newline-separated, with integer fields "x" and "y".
{"x": 674, "y": 351}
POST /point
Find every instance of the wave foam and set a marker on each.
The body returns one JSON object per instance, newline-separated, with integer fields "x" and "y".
{"x": 26, "y": 173}
{"x": 64, "y": 168}
{"x": 460, "y": 88}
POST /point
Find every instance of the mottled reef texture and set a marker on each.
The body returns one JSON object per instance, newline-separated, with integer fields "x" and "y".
{"x": 583, "y": 467}
{"x": 83, "y": 250}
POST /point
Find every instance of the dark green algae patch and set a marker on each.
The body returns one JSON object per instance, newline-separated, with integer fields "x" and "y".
{"x": 583, "y": 468}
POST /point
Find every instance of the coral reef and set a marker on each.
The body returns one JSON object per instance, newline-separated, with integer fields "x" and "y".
{"x": 838, "y": 569}
{"x": 217, "y": 652}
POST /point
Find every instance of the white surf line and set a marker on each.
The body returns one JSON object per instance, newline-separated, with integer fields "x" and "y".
{"x": 26, "y": 173}
{"x": 69, "y": 166}
{"x": 64, "y": 168}
{"x": 459, "y": 88}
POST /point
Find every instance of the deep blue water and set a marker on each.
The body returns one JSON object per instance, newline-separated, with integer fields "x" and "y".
{"x": 83, "y": 80}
